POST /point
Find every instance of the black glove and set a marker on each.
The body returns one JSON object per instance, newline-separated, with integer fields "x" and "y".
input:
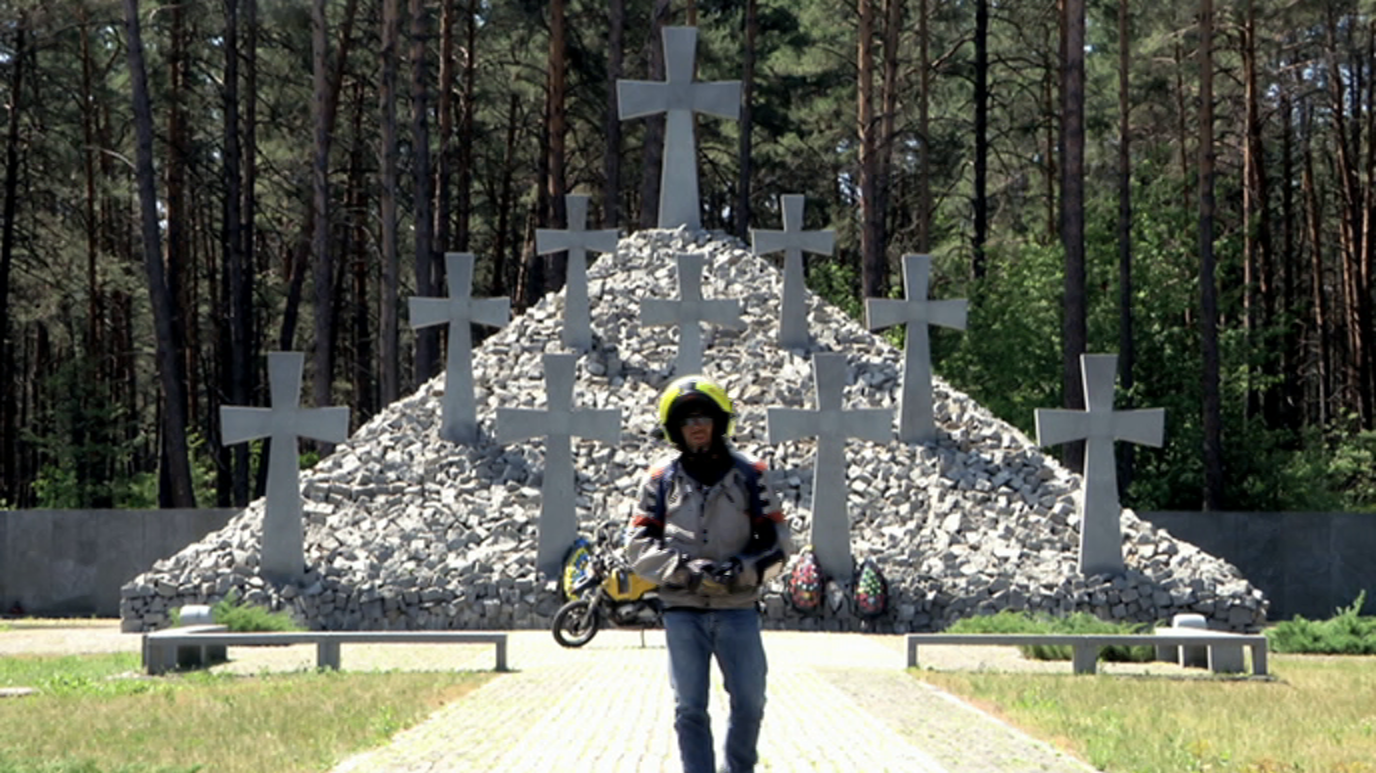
{"x": 728, "y": 574}
{"x": 710, "y": 578}
{"x": 690, "y": 574}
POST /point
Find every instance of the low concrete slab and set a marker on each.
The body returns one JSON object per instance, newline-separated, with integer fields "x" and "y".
{"x": 1086, "y": 646}
{"x": 160, "y": 648}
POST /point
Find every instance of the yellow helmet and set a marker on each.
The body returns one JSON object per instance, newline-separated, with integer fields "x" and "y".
{"x": 695, "y": 391}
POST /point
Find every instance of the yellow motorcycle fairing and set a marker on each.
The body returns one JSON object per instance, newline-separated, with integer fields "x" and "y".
{"x": 625, "y": 585}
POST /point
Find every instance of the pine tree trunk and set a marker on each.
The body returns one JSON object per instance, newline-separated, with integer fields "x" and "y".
{"x": 248, "y": 244}
{"x": 444, "y": 191}
{"x": 1258, "y": 293}
{"x": 505, "y": 201}
{"x": 1292, "y": 392}
{"x": 556, "y": 263}
{"x": 871, "y": 252}
{"x": 177, "y": 259}
{"x": 1074, "y": 332}
{"x": 924, "y": 185}
{"x": 1208, "y": 294}
{"x": 980, "y": 204}
{"x": 752, "y": 31}
{"x": 1051, "y": 169}
{"x": 1319, "y": 321}
{"x": 893, "y": 25}
{"x": 466, "y": 138}
{"x": 320, "y": 235}
{"x": 1366, "y": 356}
{"x": 177, "y": 469}
{"x": 10, "y": 377}
{"x": 390, "y": 344}
{"x": 238, "y": 280}
{"x": 298, "y": 257}
{"x": 1126, "y": 345}
{"x": 654, "y": 125}
{"x": 427, "y": 339}
{"x": 360, "y": 349}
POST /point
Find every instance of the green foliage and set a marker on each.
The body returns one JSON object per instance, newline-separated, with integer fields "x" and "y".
{"x": 79, "y": 303}
{"x": 88, "y": 441}
{"x": 308, "y": 459}
{"x": 1346, "y": 633}
{"x": 838, "y": 282}
{"x": 1015, "y": 309}
{"x": 240, "y": 616}
{"x": 1009, "y": 621}
{"x": 1352, "y": 470}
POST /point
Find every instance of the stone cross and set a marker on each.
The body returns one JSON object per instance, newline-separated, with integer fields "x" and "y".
{"x": 577, "y": 331}
{"x": 832, "y": 426}
{"x": 793, "y": 240}
{"x": 690, "y": 310}
{"x": 459, "y": 421}
{"x": 678, "y": 97}
{"x": 1101, "y": 539}
{"x": 283, "y": 548}
{"x": 915, "y": 424}
{"x": 559, "y": 423}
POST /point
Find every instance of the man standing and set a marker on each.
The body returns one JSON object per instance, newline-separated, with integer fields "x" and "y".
{"x": 709, "y": 532}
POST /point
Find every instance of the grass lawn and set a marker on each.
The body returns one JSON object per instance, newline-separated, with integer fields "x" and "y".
{"x": 1318, "y": 713}
{"x": 84, "y": 721}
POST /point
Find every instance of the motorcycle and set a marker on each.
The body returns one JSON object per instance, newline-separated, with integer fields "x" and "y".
{"x": 606, "y": 592}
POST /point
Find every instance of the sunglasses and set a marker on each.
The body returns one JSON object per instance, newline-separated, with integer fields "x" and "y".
{"x": 697, "y": 421}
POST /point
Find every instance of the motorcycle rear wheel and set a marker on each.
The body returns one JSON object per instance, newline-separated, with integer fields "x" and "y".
{"x": 575, "y": 623}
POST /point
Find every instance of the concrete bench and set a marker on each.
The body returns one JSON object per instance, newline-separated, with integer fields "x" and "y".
{"x": 167, "y": 649}
{"x": 1085, "y": 647}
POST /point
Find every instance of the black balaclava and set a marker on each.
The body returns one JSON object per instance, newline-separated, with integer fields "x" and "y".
{"x": 709, "y": 465}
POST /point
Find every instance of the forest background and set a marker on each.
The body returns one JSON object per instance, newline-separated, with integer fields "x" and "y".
{"x": 189, "y": 185}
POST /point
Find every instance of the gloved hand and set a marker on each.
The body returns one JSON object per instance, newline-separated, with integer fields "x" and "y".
{"x": 728, "y": 574}
{"x": 690, "y": 574}
{"x": 710, "y": 579}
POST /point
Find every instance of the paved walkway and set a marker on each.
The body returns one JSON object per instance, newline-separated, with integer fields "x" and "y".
{"x": 837, "y": 702}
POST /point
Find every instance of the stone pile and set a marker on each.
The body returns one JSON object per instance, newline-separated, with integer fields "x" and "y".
{"x": 404, "y": 530}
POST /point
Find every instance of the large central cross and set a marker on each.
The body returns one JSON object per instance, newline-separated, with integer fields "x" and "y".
{"x": 559, "y": 424}
{"x": 915, "y": 424}
{"x": 678, "y": 97}
{"x": 577, "y": 332}
{"x": 1101, "y": 537}
{"x": 689, "y": 311}
{"x": 459, "y": 421}
{"x": 793, "y": 240}
{"x": 283, "y": 540}
{"x": 832, "y": 426}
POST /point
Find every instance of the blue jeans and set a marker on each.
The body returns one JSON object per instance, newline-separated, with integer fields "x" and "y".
{"x": 733, "y": 636}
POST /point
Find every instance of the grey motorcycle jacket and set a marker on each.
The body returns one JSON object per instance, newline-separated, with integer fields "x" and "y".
{"x": 703, "y": 522}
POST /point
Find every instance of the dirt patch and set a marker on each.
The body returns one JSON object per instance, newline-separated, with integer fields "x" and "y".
{"x": 66, "y": 637}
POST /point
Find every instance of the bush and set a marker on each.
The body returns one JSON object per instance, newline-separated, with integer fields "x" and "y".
{"x": 1346, "y": 633}
{"x": 1077, "y": 623}
{"x": 241, "y": 617}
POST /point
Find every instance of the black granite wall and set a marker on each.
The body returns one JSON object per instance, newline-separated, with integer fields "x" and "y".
{"x": 1308, "y": 564}
{"x": 71, "y": 563}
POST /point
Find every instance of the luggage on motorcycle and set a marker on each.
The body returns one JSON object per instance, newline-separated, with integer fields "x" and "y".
{"x": 871, "y": 590}
{"x": 577, "y": 567}
{"x": 806, "y": 584}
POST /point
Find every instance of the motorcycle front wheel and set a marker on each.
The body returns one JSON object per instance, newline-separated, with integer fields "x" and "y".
{"x": 575, "y": 623}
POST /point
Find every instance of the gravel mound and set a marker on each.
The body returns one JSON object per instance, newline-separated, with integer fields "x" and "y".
{"x": 406, "y": 531}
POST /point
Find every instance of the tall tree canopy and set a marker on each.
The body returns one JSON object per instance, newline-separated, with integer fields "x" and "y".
{"x": 286, "y": 174}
